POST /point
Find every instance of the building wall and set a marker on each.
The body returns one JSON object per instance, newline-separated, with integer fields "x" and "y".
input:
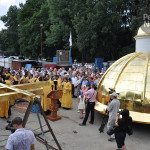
{"x": 143, "y": 44}
{"x": 5, "y": 62}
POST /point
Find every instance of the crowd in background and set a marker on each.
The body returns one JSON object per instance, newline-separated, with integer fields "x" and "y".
{"x": 73, "y": 81}
{"x": 78, "y": 76}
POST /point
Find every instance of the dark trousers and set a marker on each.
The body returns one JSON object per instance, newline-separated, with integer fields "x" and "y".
{"x": 9, "y": 111}
{"x": 73, "y": 90}
{"x": 120, "y": 139}
{"x": 89, "y": 107}
{"x": 59, "y": 103}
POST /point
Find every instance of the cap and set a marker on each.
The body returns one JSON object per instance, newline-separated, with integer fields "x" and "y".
{"x": 114, "y": 94}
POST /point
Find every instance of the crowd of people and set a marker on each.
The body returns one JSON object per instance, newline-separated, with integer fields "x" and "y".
{"x": 78, "y": 75}
{"x": 71, "y": 81}
{"x": 78, "y": 82}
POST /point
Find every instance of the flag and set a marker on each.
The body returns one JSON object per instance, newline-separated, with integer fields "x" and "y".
{"x": 70, "y": 40}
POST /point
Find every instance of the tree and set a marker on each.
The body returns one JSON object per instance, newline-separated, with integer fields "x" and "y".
{"x": 61, "y": 25}
{"x": 32, "y": 14}
{"x": 99, "y": 28}
{"x": 9, "y": 36}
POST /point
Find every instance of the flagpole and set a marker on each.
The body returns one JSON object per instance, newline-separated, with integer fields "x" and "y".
{"x": 70, "y": 55}
{"x": 70, "y": 43}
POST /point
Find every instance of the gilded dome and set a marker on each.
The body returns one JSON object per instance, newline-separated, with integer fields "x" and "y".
{"x": 144, "y": 30}
{"x": 130, "y": 77}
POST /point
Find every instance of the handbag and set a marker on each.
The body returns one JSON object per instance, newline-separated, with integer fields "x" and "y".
{"x": 129, "y": 130}
{"x": 111, "y": 130}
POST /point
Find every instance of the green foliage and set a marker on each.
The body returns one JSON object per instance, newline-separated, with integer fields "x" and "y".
{"x": 100, "y": 28}
{"x": 30, "y": 17}
{"x": 9, "y": 38}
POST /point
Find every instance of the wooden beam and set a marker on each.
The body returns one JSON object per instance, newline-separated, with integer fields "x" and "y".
{"x": 38, "y": 91}
{"x": 14, "y": 95}
{"x": 4, "y": 90}
{"x": 6, "y": 96}
{"x": 26, "y": 91}
{"x": 32, "y": 85}
{"x": 17, "y": 90}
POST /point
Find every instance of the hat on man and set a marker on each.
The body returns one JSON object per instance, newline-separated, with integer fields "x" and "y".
{"x": 114, "y": 94}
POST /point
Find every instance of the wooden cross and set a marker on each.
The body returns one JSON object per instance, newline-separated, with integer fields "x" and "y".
{"x": 29, "y": 92}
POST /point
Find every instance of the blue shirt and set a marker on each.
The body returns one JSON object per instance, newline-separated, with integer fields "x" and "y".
{"x": 21, "y": 139}
{"x": 89, "y": 83}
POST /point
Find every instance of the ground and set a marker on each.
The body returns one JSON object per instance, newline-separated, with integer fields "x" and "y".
{"x": 71, "y": 136}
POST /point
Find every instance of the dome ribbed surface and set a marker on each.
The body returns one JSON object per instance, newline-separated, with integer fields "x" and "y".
{"x": 130, "y": 77}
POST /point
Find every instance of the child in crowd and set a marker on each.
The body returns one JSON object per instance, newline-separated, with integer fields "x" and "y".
{"x": 81, "y": 106}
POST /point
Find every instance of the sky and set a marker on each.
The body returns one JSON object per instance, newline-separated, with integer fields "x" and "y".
{"x": 4, "y": 6}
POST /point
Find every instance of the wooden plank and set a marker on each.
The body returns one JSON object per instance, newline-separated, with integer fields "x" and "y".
{"x": 18, "y": 90}
{"x": 38, "y": 91}
{"x": 6, "y": 96}
{"x": 14, "y": 95}
{"x": 32, "y": 85}
{"x": 26, "y": 91}
{"x": 4, "y": 90}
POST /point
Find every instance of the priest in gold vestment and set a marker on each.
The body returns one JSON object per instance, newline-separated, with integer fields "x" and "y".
{"x": 4, "y": 105}
{"x": 67, "y": 97}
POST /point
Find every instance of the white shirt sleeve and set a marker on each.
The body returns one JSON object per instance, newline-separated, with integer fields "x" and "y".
{"x": 9, "y": 144}
{"x": 33, "y": 137}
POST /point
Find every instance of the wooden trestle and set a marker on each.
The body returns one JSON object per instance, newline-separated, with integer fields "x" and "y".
{"x": 29, "y": 92}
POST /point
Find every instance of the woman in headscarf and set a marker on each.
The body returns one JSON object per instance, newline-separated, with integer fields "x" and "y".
{"x": 122, "y": 128}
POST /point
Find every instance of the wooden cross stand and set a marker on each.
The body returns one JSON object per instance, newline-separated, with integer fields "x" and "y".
{"x": 54, "y": 95}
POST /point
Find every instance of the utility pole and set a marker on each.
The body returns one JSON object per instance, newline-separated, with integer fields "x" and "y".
{"x": 41, "y": 25}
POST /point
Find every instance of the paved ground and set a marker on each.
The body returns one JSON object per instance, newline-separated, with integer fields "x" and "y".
{"x": 71, "y": 136}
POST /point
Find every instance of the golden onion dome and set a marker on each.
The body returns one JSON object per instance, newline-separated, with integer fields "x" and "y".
{"x": 130, "y": 77}
{"x": 144, "y": 30}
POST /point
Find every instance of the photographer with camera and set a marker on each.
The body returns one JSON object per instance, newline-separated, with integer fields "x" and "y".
{"x": 21, "y": 139}
{"x": 91, "y": 96}
{"x": 123, "y": 126}
{"x": 112, "y": 108}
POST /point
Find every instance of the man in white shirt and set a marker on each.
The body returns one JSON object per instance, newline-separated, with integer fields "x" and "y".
{"x": 42, "y": 71}
{"x": 21, "y": 139}
{"x": 73, "y": 79}
{"x": 84, "y": 81}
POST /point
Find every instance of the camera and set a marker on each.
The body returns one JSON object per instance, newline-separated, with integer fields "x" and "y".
{"x": 10, "y": 127}
{"x": 111, "y": 91}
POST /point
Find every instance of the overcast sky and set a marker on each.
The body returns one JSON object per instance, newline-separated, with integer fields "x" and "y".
{"x": 4, "y": 6}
